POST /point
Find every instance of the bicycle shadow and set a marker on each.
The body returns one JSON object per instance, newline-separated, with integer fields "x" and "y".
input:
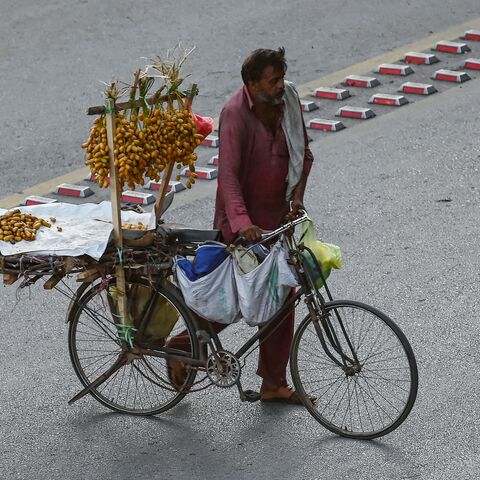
{"x": 216, "y": 440}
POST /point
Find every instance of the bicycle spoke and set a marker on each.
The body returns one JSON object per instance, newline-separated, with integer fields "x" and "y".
{"x": 142, "y": 385}
{"x": 364, "y": 398}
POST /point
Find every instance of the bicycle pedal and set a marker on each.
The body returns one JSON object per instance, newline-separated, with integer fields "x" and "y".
{"x": 251, "y": 396}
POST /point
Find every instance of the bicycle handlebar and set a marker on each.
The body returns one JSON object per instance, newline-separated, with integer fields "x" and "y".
{"x": 265, "y": 237}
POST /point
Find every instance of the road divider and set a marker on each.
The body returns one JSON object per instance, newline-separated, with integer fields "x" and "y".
{"x": 205, "y": 173}
{"x": 325, "y": 124}
{"x": 355, "y": 112}
{"x": 308, "y": 105}
{"x": 451, "y": 47}
{"x": 445, "y": 75}
{"x": 331, "y": 93}
{"x": 469, "y": 30}
{"x": 71, "y": 190}
{"x": 392, "y": 69}
{"x": 420, "y": 58}
{"x": 361, "y": 81}
{"x": 211, "y": 141}
{"x": 36, "y": 200}
{"x": 387, "y": 99}
{"x": 472, "y": 35}
{"x": 173, "y": 186}
{"x": 140, "y": 198}
{"x": 472, "y": 64}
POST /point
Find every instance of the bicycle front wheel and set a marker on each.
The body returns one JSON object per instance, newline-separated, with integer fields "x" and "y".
{"x": 354, "y": 370}
{"x": 143, "y": 385}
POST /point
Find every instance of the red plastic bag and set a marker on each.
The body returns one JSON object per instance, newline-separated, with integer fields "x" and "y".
{"x": 203, "y": 125}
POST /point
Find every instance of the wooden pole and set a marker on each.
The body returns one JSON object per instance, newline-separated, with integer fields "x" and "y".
{"x": 167, "y": 174}
{"x": 115, "y": 195}
{"x": 100, "y": 109}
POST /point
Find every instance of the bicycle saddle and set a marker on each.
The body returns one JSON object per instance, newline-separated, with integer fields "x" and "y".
{"x": 176, "y": 233}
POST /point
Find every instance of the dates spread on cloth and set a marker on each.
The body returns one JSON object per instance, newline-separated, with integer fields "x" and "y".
{"x": 16, "y": 226}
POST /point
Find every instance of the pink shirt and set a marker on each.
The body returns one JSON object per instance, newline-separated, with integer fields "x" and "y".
{"x": 253, "y": 169}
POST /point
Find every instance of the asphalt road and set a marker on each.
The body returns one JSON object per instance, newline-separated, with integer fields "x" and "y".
{"x": 55, "y": 53}
{"x": 400, "y": 196}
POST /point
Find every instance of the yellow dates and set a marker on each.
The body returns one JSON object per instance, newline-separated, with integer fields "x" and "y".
{"x": 16, "y": 226}
{"x": 145, "y": 144}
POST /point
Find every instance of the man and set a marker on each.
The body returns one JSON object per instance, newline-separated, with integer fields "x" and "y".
{"x": 264, "y": 162}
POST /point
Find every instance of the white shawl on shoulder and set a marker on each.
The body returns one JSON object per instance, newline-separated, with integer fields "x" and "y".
{"x": 292, "y": 125}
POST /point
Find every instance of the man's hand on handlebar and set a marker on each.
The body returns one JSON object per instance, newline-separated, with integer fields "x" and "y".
{"x": 296, "y": 208}
{"x": 251, "y": 233}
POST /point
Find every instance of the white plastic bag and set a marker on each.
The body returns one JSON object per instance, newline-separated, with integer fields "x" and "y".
{"x": 213, "y": 296}
{"x": 263, "y": 291}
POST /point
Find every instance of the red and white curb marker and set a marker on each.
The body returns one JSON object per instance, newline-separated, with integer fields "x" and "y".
{"x": 324, "y": 124}
{"x": 361, "y": 81}
{"x": 451, "y": 76}
{"x": 418, "y": 88}
{"x": 331, "y": 93}
{"x": 387, "y": 99}
{"x": 138, "y": 197}
{"x": 355, "y": 112}
{"x": 35, "y": 200}
{"x": 204, "y": 173}
{"x": 308, "y": 105}
{"x": 451, "y": 47}
{"x": 173, "y": 186}
{"x": 421, "y": 58}
{"x": 93, "y": 177}
{"x": 73, "y": 190}
{"x": 472, "y": 64}
{"x": 210, "y": 141}
{"x": 391, "y": 69}
{"x": 213, "y": 160}
{"x": 472, "y": 35}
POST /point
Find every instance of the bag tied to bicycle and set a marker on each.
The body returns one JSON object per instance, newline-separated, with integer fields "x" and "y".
{"x": 327, "y": 255}
{"x": 208, "y": 284}
{"x": 263, "y": 290}
{"x": 162, "y": 316}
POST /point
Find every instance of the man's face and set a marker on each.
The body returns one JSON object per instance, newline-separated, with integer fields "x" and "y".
{"x": 270, "y": 88}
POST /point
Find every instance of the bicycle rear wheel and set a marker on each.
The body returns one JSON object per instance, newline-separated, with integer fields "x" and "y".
{"x": 142, "y": 386}
{"x": 360, "y": 368}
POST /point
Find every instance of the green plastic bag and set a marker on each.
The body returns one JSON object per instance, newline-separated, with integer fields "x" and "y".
{"x": 328, "y": 255}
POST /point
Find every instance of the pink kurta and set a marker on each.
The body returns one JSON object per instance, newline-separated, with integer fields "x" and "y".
{"x": 252, "y": 184}
{"x": 253, "y": 169}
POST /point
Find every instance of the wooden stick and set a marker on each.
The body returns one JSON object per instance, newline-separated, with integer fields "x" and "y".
{"x": 167, "y": 174}
{"x": 115, "y": 192}
{"x": 100, "y": 110}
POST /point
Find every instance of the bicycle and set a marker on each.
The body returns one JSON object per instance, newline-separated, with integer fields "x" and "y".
{"x": 351, "y": 365}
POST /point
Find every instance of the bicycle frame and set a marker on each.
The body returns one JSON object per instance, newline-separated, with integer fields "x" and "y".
{"x": 308, "y": 290}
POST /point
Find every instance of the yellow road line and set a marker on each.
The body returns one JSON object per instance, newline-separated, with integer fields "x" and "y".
{"x": 47, "y": 187}
{"x": 389, "y": 57}
{"x": 43, "y": 188}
